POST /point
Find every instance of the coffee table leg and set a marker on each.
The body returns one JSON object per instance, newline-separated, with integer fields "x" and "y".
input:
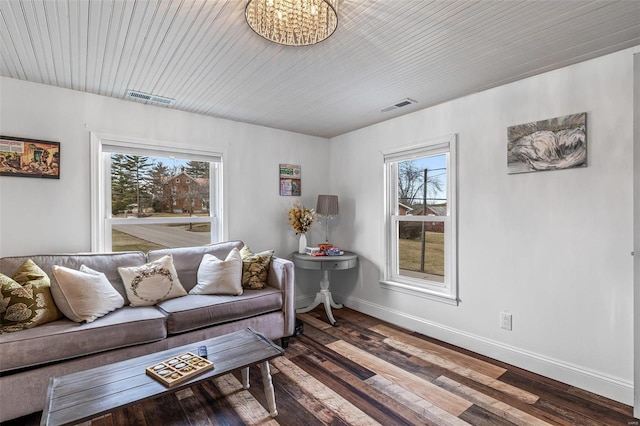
{"x": 245, "y": 378}
{"x": 268, "y": 388}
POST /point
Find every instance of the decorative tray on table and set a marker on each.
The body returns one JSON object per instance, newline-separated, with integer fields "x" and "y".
{"x": 179, "y": 368}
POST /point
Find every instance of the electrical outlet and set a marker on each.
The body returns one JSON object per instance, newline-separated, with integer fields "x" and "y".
{"x": 506, "y": 320}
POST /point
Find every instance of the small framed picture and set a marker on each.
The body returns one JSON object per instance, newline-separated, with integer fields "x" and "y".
{"x": 290, "y": 180}
{"x": 29, "y": 158}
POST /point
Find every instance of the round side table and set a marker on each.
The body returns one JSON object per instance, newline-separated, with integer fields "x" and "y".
{"x": 325, "y": 264}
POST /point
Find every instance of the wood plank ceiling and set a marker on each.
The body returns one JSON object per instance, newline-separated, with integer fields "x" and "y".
{"x": 203, "y": 54}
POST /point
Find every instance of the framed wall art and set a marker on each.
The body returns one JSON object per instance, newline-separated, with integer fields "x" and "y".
{"x": 553, "y": 144}
{"x": 290, "y": 180}
{"x": 29, "y": 158}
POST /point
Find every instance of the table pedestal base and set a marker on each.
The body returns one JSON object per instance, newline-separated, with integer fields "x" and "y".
{"x": 323, "y": 296}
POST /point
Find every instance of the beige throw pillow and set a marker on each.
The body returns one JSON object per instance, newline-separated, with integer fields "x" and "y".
{"x": 25, "y": 299}
{"x": 151, "y": 283}
{"x": 255, "y": 268}
{"x": 84, "y": 295}
{"x": 217, "y": 276}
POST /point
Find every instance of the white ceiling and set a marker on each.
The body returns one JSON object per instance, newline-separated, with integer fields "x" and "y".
{"x": 204, "y": 55}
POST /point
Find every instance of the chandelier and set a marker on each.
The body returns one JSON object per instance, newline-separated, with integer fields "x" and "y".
{"x": 293, "y": 22}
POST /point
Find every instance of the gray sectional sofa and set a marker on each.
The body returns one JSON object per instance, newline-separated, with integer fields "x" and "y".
{"x": 28, "y": 358}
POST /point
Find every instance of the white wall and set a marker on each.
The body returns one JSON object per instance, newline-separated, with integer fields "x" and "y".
{"x": 43, "y": 215}
{"x": 551, "y": 247}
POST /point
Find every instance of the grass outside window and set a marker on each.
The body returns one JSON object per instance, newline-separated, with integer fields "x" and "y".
{"x": 410, "y": 254}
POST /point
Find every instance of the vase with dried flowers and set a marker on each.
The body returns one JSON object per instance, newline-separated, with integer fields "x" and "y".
{"x": 301, "y": 220}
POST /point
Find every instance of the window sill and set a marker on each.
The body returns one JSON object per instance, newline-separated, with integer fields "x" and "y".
{"x": 419, "y": 292}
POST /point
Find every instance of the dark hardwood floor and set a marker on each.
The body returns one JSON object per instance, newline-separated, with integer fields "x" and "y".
{"x": 367, "y": 372}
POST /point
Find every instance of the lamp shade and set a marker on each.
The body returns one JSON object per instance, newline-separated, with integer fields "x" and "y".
{"x": 327, "y": 205}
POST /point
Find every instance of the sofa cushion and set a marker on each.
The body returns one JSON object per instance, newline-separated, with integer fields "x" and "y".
{"x": 26, "y": 300}
{"x": 152, "y": 282}
{"x": 196, "y": 311}
{"x": 216, "y": 276}
{"x": 187, "y": 259}
{"x": 84, "y": 295}
{"x": 255, "y": 268}
{"x": 65, "y": 339}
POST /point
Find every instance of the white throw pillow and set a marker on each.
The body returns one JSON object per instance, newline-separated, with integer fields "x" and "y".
{"x": 217, "y": 276}
{"x": 83, "y": 295}
{"x": 152, "y": 282}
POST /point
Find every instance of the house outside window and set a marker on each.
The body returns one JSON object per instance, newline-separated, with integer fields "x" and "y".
{"x": 138, "y": 202}
{"x": 421, "y": 224}
{"x": 190, "y": 196}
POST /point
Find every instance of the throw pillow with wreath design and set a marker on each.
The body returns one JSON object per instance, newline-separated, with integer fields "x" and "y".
{"x": 152, "y": 282}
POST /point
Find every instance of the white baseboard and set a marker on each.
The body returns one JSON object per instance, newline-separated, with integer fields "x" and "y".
{"x": 574, "y": 375}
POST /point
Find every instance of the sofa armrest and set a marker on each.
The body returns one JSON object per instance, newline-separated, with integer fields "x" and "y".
{"x": 281, "y": 276}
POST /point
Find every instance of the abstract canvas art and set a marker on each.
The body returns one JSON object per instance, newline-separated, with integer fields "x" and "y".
{"x": 553, "y": 144}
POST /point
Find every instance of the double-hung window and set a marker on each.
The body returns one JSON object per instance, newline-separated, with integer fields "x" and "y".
{"x": 421, "y": 220}
{"x": 147, "y": 195}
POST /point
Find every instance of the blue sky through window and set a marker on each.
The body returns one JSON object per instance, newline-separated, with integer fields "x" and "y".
{"x": 436, "y": 167}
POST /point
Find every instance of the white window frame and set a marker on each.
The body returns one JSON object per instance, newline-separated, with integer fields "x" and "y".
{"x": 103, "y": 145}
{"x": 445, "y": 292}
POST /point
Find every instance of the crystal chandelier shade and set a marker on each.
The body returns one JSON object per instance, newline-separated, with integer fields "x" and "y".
{"x": 293, "y": 22}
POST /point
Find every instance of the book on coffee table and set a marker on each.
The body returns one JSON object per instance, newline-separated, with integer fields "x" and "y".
{"x": 179, "y": 368}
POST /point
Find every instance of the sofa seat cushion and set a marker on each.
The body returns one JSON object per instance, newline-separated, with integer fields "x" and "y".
{"x": 65, "y": 339}
{"x": 195, "y": 311}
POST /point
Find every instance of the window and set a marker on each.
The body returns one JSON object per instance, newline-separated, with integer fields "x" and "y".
{"x": 421, "y": 220}
{"x": 137, "y": 206}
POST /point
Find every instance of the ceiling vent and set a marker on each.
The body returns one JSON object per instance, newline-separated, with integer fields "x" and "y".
{"x": 152, "y": 99}
{"x": 397, "y": 105}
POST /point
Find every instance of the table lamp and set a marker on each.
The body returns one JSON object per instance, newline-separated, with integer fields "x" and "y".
{"x": 327, "y": 207}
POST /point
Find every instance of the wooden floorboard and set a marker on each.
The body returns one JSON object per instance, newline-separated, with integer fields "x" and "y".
{"x": 367, "y": 372}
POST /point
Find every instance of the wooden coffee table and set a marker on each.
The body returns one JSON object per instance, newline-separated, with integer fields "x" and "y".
{"x": 87, "y": 394}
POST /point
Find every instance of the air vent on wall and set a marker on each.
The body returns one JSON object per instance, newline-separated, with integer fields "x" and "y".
{"x": 397, "y": 105}
{"x": 152, "y": 99}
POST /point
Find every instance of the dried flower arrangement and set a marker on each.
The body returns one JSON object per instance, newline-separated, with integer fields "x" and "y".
{"x": 301, "y": 218}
